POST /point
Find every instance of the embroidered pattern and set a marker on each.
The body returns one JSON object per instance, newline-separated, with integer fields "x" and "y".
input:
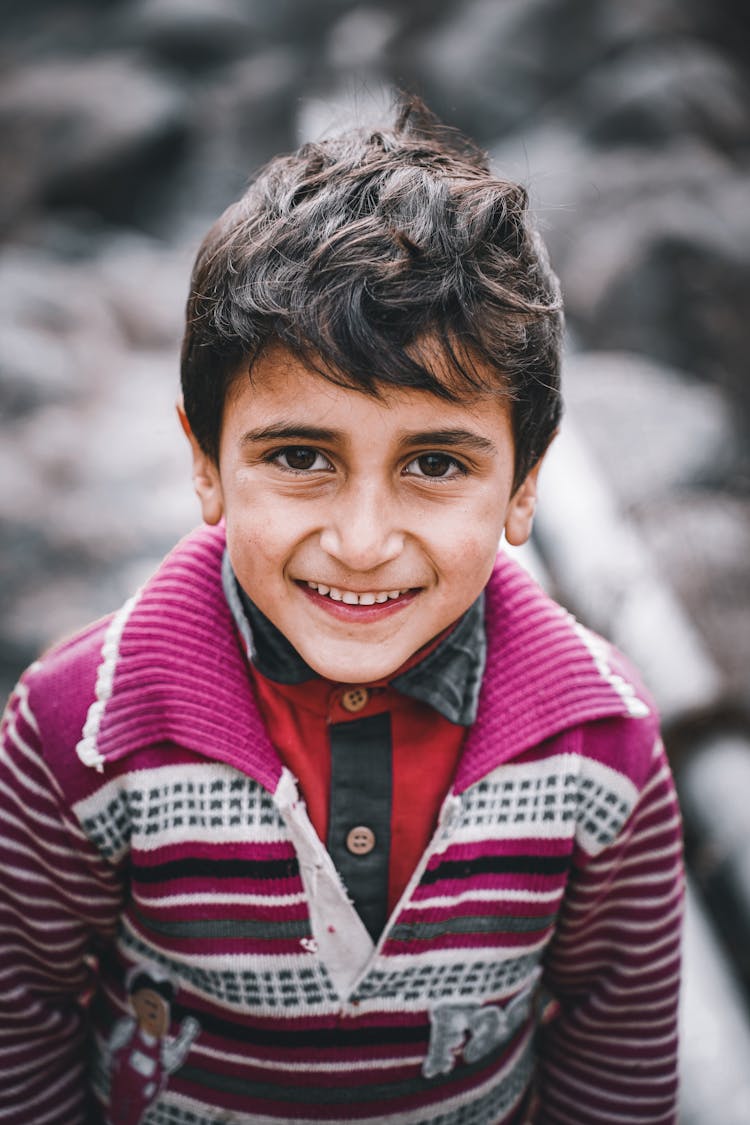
{"x": 141, "y": 1052}
{"x": 174, "y": 800}
{"x": 471, "y": 1031}
{"x": 425, "y": 983}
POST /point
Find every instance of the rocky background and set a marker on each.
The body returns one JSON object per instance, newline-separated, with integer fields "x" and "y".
{"x": 126, "y": 125}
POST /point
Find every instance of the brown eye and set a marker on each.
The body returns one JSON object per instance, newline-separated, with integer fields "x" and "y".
{"x": 434, "y": 465}
{"x": 300, "y": 458}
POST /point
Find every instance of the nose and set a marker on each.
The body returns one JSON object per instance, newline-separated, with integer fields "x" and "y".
{"x": 361, "y": 532}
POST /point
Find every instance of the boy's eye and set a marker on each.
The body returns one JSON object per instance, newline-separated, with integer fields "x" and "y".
{"x": 435, "y": 466}
{"x": 300, "y": 458}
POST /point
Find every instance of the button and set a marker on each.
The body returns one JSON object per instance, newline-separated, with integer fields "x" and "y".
{"x": 354, "y": 699}
{"x": 361, "y": 840}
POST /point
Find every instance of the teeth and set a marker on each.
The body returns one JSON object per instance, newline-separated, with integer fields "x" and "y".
{"x": 349, "y": 597}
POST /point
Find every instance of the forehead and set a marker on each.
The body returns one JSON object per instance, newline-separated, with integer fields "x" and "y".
{"x": 281, "y": 386}
{"x": 149, "y": 994}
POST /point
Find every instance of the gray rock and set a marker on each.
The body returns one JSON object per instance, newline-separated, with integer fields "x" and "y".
{"x": 358, "y": 42}
{"x": 701, "y": 539}
{"x": 493, "y": 67}
{"x": 652, "y": 247}
{"x": 653, "y": 429}
{"x": 58, "y": 333}
{"x": 245, "y": 117}
{"x": 99, "y": 132}
{"x": 662, "y": 91}
{"x": 191, "y": 32}
{"x": 145, "y": 283}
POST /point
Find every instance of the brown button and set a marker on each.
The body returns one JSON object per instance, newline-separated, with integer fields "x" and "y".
{"x": 354, "y": 699}
{"x": 361, "y": 840}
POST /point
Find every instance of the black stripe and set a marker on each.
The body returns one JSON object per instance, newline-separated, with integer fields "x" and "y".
{"x": 335, "y": 1037}
{"x": 198, "y": 867}
{"x": 497, "y": 865}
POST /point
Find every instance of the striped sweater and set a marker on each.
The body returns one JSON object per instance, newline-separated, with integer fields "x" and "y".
{"x": 174, "y": 932}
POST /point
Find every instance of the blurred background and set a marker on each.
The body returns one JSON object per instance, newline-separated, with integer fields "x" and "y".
{"x": 127, "y": 125}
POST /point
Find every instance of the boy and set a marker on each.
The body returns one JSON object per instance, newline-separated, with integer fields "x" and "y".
{"x": 398, "y": 830}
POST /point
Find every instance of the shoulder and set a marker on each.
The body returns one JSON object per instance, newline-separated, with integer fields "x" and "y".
{"x": 547, "y": 676}
{"x": 60, "y": 686}
{"x": 66, "y": 682}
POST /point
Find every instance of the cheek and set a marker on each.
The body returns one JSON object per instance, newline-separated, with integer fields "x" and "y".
{"x": 470, "y": 541}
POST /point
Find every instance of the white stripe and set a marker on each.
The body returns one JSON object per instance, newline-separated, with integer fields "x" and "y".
{"x": 9, "y": 1069}
{"x": 46, "y": 948}
{"x": 587, "y": 898}
{"x": 498, "y": 895}
{"x": 87, "y": 749}
{"x": 611, "y": 986}
{"x": 39, "y": 818}
{"x": 589, "y": 946}
{"x": 622, "y": 1071}
{"x": 52, "y": 1114}
{"x": 53, "y": 791}
{"x": 39, "y": 967}
{"x": 43, "y": 846}
{"x": 646, "y": 1012}
{"x": 214, "y": 898}
{"x": 621, "y": 970}
{"x": 600, "y": 651}
{"x": 655, "y": 879}
{"x": 66, "y": 882}
{"x": 604, "y": 1115}
{"x": 672, "y": 852}
{"x": 104, "y": 901}
{"x": 606, "y": 920}
{"x": 23, "y": 778}
{"x": 24, "y": 709}
{"x": 661, "y": 1063}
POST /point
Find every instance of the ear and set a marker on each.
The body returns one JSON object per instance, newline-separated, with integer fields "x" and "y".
{"x": 520, "y": 515}
{"x": 206, "y": 478}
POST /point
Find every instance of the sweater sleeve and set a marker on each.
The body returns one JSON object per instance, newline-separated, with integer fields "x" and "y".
{"x": 58, "y": 901}
{"x": 609, "y": 1050}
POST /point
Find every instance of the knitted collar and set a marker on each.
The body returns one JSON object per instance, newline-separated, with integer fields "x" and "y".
{"x": 544, "y": 673}
{"x": 448, "y": 677}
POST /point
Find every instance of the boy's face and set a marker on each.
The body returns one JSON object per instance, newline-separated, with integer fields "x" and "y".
{"x": 360, "y": 527}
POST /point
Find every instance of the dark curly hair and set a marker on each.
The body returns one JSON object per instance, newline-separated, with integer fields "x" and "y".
{"x": 389, "y": 257}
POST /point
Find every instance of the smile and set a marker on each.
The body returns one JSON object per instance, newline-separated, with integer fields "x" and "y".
{"x": 351, "y": 597}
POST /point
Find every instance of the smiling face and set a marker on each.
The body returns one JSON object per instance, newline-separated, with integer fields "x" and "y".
{"x": 151, "y": 1011}
{"x": 360, "y": 527}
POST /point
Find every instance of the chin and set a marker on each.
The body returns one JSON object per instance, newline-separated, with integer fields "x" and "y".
{"x": 353, "y": 671}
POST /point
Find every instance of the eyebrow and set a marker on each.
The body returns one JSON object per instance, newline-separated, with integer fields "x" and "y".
{"x": 298, "y": 431}
{"x": 466, "y": 439}
{"x": 288, "y": 431}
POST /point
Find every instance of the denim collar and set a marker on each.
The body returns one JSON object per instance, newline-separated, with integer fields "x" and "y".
{"x": 448, "y": 678}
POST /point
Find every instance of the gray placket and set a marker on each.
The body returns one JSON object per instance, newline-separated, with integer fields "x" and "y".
{"x": 359, "y": 823}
